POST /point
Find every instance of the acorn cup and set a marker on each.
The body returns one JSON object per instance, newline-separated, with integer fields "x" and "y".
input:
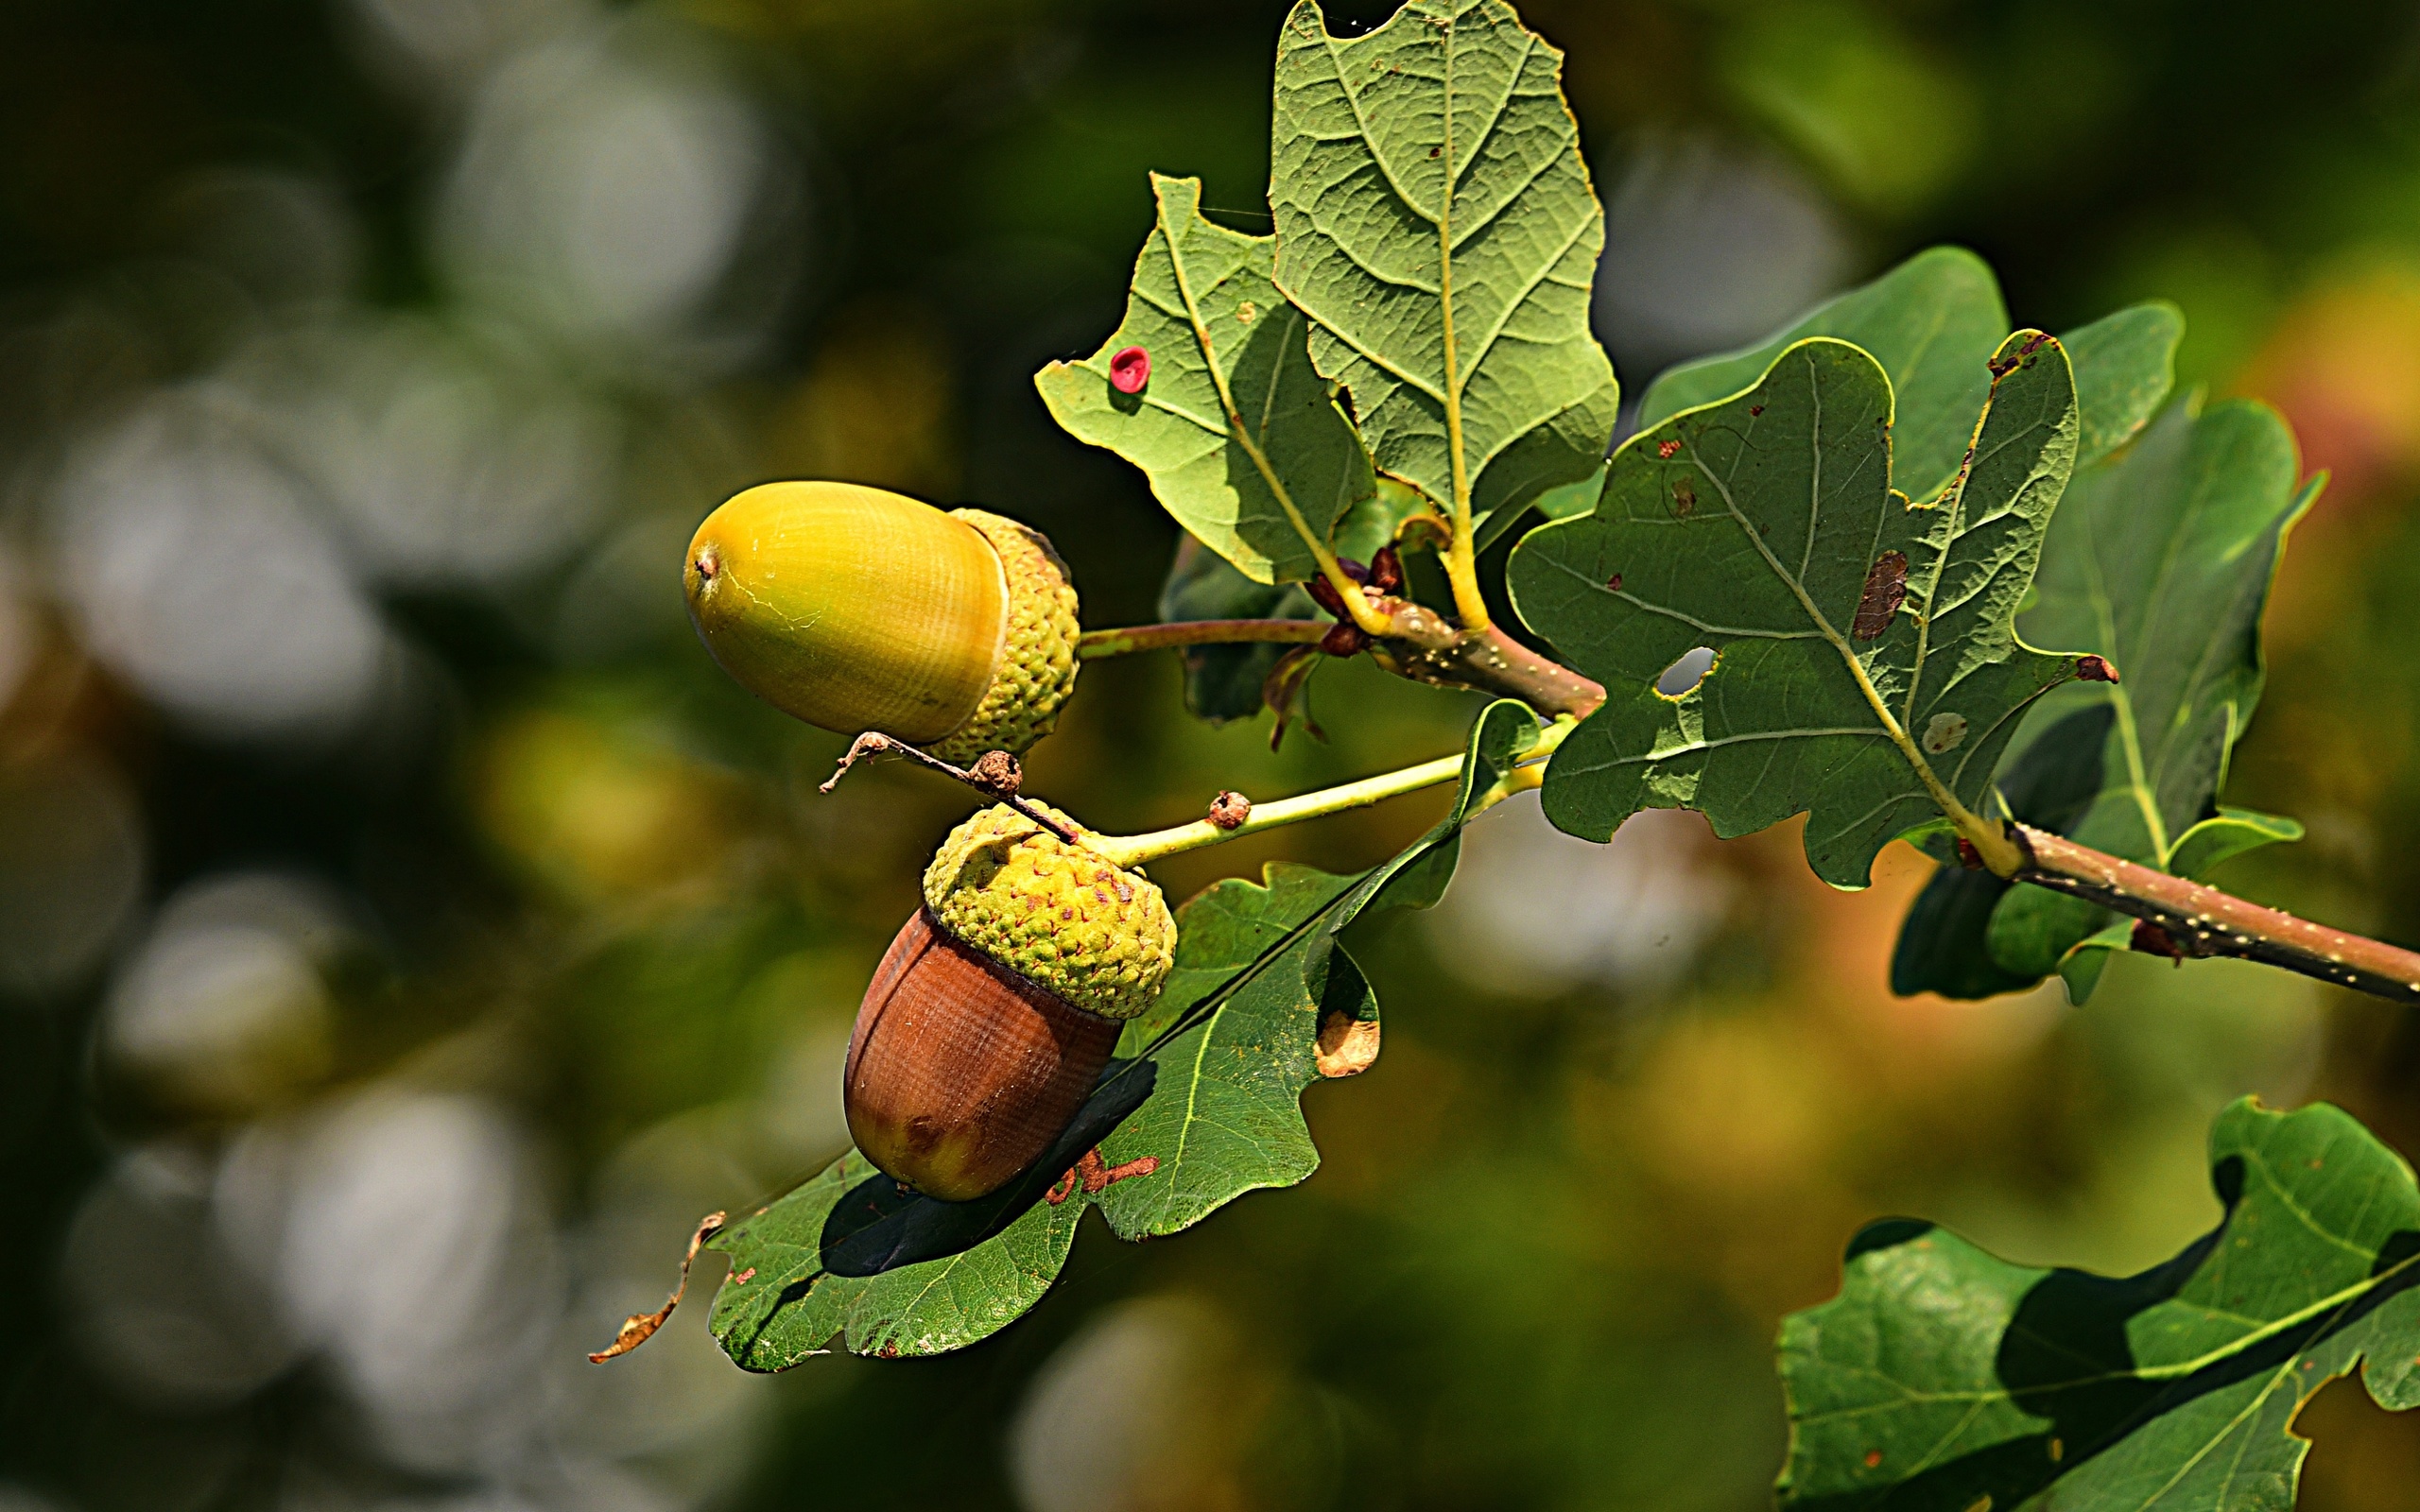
{"x": 998, "y": 1004}
{"x": 860, "y": 610}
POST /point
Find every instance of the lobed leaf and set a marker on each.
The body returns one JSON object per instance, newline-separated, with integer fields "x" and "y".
{"x": 1263, "y": 1001}
{"x": 1942, "y": 1378}
{"x": 1203, "y": 1108}
{"x": 1436, "y": 223}
{"x": 1933, "y": 322}
{"x": 1241, "y": 439}
{"x": 2160, "y": 560}
{"x": 1858, "y": 635}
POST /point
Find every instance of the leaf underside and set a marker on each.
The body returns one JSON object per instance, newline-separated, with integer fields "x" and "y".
{"x": 1232, "y": 402}
{"x": 1942, "y": 1378}
{"x": 1263, "y": 1001}
{"x": 2160, "y": 559}
{"x": 1766, "y": 526}
{"x": 1437, "y": 224}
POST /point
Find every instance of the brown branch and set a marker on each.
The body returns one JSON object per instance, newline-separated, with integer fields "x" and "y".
{"x": 1426, "y": 646}
{"x": 2200, "y": 920}
{"x": 1131, "y": 638}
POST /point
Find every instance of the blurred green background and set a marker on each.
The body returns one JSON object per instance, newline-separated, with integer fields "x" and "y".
{"x": 406, "y": 932}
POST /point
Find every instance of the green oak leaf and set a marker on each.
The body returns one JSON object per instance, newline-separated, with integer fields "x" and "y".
{"x": 1208, "y": 1086}
{"x": 2161, "y": 561}
{"x": 2125, "y": 364}
{"x": 802, "y": 1273}
{"x": 1933, "y": 322}
{"x": 1261, "y": 997}
{"x": 1942, "y": 1378}
{"x": 1766, "y": 528}
{"x": 1242, "y": 441}
{"x": 1436, "y": 223}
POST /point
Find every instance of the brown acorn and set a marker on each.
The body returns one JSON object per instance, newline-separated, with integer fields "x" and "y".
{"x": 998, "y": 1004}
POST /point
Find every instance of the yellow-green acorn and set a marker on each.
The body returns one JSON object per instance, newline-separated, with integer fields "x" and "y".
{"x": 999, "y": 1002}
{"x": 857, "y": 610}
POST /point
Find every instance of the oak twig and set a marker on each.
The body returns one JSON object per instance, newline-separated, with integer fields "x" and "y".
{"x": 1426, "y": 646}
{"x": 994, "y": 775}
{"x": 2200, "y": 920}
{"x": 1131, "y": 637}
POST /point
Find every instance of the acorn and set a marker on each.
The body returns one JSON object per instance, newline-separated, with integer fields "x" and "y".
{"x": 860, "y": 610}
{"x": 998, "y": 1004}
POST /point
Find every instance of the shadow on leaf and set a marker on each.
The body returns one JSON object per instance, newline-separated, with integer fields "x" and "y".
{"x": 2066, "y": 1356}
{"x": 877, "y": 1225}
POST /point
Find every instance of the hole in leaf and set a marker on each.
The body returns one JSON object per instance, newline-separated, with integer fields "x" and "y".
{"x": 1686, "y": 672}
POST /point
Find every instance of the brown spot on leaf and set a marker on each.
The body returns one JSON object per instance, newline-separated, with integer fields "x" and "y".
{"x": 1886, "y": 589}
{"x": 1347, "y": 1046}
{"x": 1096, "y": 1178}
{"x": 2095, "y": 669}
{"x": 1755, "y": 409}
{"x": 1061, "y": 1190}
{"x": 1684, "y": 499}
{"x": 640, "y": 1327}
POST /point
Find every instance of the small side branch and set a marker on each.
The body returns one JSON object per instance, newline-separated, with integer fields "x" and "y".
{"x": 2200, "y": 920}
{"x": 1128, "y": 639}
{"x": 995, "y": 774}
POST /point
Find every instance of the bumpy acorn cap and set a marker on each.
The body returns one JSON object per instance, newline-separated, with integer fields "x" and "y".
{"x": 1059, "y": 915}
{"x": 1036, "y": 670}
{"x": 857, "y": 609}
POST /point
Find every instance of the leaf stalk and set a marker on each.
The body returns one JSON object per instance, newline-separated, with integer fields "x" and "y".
{"x": 1136, "y": 850}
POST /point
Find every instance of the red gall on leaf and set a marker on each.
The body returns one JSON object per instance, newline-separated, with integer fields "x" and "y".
{"x": 1968, "y": 856}
{"x": 1667, "y": 450}
{"x": 1129, "y": 369}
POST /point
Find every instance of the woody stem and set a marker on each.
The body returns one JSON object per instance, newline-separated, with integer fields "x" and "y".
{"x": 2200, "y": 920}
